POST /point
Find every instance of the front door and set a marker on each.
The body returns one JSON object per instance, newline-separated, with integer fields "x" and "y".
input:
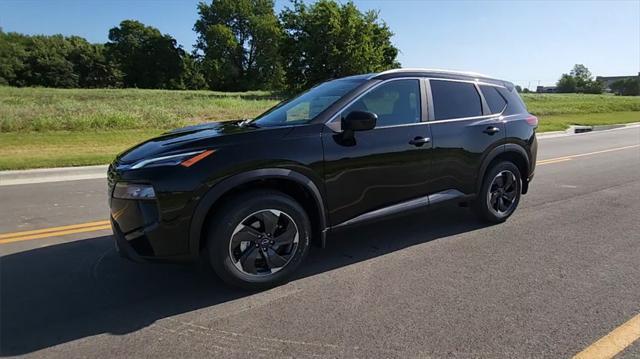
{"x": 386, "y": 165}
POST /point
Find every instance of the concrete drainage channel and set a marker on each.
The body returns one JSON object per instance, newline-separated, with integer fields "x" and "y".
{"x": 583, "y": 129}
{"x": 576, "y": 129}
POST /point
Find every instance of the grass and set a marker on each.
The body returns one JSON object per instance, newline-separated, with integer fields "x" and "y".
{"x": 561, "y": 122}
{"x": 562, "y": 104}
{"x": 42, "y": 127}
{"x": 44, "y": 109}
{"x": 63, "y": 148}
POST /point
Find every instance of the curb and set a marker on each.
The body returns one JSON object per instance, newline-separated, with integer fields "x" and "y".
{"x": 43, "y": 175}
{"x": 578, "y": 129}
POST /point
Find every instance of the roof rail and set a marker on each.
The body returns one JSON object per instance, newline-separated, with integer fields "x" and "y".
{"x": 409, "y": 69}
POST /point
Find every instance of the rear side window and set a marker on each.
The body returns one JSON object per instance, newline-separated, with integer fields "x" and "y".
{"x": 495, "y": 101}
{"x": 514, "y": 103}
{"x": 452, "y": 99}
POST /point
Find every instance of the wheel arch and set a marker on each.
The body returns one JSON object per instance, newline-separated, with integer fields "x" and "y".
{"x": 508, "y": 152}
{"x": 290, "y": 182}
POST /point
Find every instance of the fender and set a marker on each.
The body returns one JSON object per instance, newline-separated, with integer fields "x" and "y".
{"x": 219, "y": 189}
{"x": 509, "y": 147}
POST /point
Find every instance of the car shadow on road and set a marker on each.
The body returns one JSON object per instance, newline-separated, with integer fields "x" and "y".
{"x": 57, "y": 294}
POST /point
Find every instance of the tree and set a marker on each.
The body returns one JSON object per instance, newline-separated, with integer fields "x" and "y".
{"x": 91, "y": 65}
{"x": 518, "y": 89}
{"x": 54, "y": 61}
{"x": 581, "y": 74}
{"x": 327, "y": 40}
{"x": 238, "y": 42}
{"x": 566, "y": 84}
{"x": 45, "y": 62}
{"x": 579, "y": 80}
{"x": 147, "y": 58}
{"x": 192, "y": 77}
{"x": 627, "y": 87}
{"x": 11, "y": 55}
{"x": 593, "y": 87}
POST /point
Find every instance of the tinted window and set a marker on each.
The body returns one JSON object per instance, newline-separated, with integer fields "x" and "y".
{"x": 514, "y": 103}
{"x": 495, "y": 101}
{"x": 453, "y": 99}
{"x": 396, "y": 102}
{"x": 305, "y": 107}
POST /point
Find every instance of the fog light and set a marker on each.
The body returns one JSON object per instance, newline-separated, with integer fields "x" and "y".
{"x": 124, "y": 190}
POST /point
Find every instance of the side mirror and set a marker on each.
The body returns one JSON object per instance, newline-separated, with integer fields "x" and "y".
{"x": 359, "y": 121}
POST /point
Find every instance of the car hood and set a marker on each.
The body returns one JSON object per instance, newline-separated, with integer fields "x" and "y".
{"x": 190, "y": 138}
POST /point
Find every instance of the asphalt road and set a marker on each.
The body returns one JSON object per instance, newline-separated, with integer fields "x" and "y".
{"x": 562, "y": 273}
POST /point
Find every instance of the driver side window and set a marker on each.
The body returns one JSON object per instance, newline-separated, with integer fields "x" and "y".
{"x": 396, "y": 103}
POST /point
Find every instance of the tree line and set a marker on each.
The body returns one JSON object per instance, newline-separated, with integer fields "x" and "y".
{"x": 580, "y": 80}
{"x": 241, "y": 45}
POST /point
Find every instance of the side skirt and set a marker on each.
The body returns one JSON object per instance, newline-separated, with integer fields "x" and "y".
{"x": 402, "y": 207}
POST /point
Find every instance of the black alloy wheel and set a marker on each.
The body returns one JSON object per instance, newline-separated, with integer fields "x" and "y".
{"x": 500, "y": 193}
{"x": 258, "y": 239}
{"x": 264, "y": 242}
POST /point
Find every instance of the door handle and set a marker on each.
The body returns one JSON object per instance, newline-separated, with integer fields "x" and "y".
{"x": 491, "y": 130}
{"x": 419, "y": 141}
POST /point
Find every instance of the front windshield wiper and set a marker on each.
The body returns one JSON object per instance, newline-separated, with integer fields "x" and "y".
{"x": 248, "y": 123}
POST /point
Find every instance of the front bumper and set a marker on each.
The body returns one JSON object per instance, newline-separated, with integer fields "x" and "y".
{"x": 142, "y": 231}
{"x": 123, "y": 247}
{"x": 152, "y": 228}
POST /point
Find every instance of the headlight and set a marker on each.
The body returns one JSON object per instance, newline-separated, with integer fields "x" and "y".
{"x": 125, "y": 190}
{"x": 187, "y": 159}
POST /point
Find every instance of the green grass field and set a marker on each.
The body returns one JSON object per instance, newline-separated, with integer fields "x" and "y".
{"x": 42, "y": 127}
{"x": 43, "y": 109}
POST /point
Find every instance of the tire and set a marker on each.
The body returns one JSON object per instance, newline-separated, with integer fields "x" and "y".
{"x": 251, "y": 242}
{"x": 500, "y": 193}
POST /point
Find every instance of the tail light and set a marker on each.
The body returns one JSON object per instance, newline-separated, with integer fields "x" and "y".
{"x": 532, "y": 120}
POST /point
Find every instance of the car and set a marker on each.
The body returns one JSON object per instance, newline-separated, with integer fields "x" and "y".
{"x": 252, "y": 196}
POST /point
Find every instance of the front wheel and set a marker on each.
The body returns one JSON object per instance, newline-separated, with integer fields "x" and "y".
{"x": 500, "y": 193}
{"x": 258, "y": 239}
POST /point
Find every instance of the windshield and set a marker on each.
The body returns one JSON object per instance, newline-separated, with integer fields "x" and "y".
{"x": 305, "y": 107}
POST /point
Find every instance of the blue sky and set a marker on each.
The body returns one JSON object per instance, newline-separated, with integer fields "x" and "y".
{"x": 521, "y": 41}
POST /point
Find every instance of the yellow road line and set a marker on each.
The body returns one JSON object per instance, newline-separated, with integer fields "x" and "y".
{"x": 52, "y": 229}
{"x": 54, "y": 232}
{"x": 571, "y": 157}
{"x": 614, "y": 342}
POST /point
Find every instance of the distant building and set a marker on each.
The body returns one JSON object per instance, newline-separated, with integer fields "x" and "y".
{"x": 546, "y": 89}
{"x": 608, "y": 80}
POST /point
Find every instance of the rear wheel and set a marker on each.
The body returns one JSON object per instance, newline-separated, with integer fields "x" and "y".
{"x": 259, "y": 239}
{"x": 500, "y": 193}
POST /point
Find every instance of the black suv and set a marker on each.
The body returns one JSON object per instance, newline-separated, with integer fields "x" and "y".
{"x": 253, "y": 194}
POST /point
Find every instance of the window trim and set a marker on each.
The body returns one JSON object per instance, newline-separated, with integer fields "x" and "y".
{"x": 426, "y": 96}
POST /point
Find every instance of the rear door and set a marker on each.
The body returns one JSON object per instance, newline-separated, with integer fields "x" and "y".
{"x": 383, "y": 166}
{"x": 464, "y": 130}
